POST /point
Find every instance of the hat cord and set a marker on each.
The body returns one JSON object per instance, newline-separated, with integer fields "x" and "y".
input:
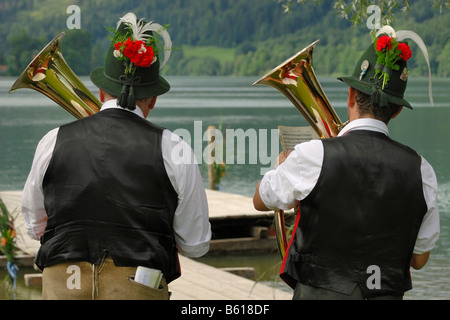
{"x": 127, "y": 97}
{"x": 378, "y": 97}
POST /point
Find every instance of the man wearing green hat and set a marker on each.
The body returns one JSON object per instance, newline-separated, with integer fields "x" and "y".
{"x": 105, "y": 196}
{"x": 368, "y": 203}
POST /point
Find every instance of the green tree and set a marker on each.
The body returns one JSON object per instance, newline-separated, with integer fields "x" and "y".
{"x": 258, "y": 31}
{"x": 355, "y": 11}
{"x": 76, "y": 47}
{"x": 444, "y": 61}
{"x": 22, "y": 49}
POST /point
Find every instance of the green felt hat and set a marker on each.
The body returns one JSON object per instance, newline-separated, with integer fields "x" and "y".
{"x": 371, "y": 68}
{"x": 115, "y": 77}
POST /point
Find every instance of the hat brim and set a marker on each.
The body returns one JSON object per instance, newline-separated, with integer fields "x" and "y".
{"x": 367, "y": 89}
{"x": 114, "y": 88}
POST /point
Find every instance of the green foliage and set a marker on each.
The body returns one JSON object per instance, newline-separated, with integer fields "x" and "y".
{"x": 21, "y": 49}
{"x": 7, "y": 233}
{"x": 444, "y": 61}
{"x": 224, "y": 37}
{"x": 76, "y": 46}
{"x": 356, "y": 10}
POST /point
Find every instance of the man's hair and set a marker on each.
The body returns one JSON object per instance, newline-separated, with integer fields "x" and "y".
{"x": 380, "y": 113}
{"x": 112, "y": 96}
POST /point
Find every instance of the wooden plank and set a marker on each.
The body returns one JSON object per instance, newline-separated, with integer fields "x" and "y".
{"x": 24, "y": 260}
{"x": 33, "y": 279}
{"x": 198, "y": 281}
{"x": 241, "y": 245}
{"x": 226, "y": 205}
{"x": 246, "y": 272}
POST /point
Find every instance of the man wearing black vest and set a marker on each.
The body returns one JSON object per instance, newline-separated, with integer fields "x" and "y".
{"x": 105, "y": 194}
{"x": 368, "y": 204}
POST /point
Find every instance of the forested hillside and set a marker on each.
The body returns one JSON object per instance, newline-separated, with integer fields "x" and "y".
{"x": 215, "y": 37}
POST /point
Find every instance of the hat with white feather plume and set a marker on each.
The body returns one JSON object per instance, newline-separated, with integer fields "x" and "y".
{"x": 381, "y": 71}
{"x": 132, "y": 64}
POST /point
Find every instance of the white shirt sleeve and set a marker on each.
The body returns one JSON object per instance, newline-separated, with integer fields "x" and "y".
{"x": 191, "y": 222}
{"x": 33, "y": 210}
{"x": 430, "y": 229}
{"x": 295, "y": 178}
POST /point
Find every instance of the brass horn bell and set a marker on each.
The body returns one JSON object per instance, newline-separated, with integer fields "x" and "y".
{"x": 50, "y": 74}
{"x": 296, "y": 79}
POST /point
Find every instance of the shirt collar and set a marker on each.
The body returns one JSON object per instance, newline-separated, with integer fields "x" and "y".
{"x": 365, "y": 124}
{"x": 112, "y": 104}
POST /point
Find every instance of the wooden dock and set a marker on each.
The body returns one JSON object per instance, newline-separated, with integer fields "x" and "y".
{"x": 198, "y": 281}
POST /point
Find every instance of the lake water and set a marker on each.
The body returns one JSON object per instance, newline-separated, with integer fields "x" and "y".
{"x": 194, "y": 103}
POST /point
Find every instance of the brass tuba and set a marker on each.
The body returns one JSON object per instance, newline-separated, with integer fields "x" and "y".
{"x": 296, "y": 79}
{"x": 50, "y": 74}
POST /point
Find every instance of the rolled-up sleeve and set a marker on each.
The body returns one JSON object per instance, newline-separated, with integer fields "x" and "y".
{"x": 295, "y": 178}
{"x": 191, "y": 222}
{"x": 430, "y": 229}
{"x": 33, "y": 210}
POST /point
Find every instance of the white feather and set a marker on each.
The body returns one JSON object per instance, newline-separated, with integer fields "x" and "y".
{"x": 129, "y": 18}
{"x": 387, "y": 29}
{"x": 167, "y": 41}
{"x": 407, "y": 34}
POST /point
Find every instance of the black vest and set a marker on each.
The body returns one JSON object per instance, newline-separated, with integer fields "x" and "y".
{"x": 106, "y": 191}
{"x": 365, "y": 210}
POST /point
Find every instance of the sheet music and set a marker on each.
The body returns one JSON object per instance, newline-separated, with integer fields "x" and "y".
{"x": 291, "y": 136}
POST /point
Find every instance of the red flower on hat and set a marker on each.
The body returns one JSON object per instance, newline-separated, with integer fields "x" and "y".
{"x": 389, "y": 51}
{"x": 136, "y": 51}
{"x": 383, "y": 42}
{"x": 405, "y": 51}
